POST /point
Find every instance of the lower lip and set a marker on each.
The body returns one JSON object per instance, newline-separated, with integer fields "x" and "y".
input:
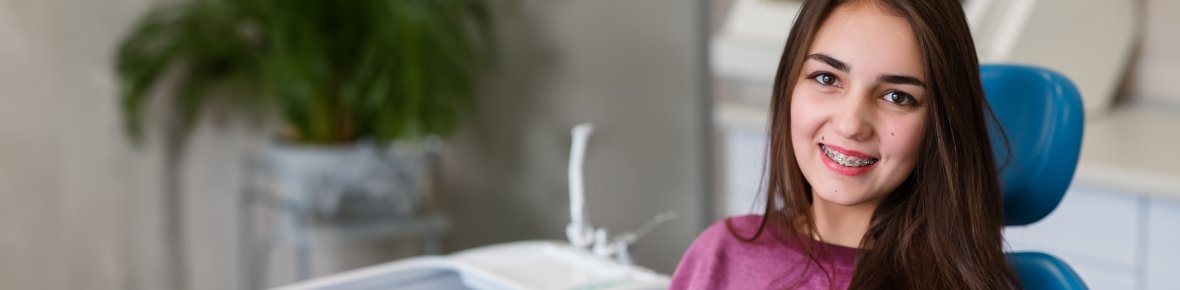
{"x": 844, "y": 170}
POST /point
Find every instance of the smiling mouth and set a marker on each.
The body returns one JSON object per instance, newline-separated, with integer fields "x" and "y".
{"x": 845, "y": 160}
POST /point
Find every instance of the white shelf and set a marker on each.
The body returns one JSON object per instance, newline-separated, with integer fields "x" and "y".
{"x": 747, "y": 48}
{"x": 1134, "y": 149}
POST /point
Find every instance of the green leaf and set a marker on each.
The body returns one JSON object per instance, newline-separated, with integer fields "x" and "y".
{"x": 334, "y": 71}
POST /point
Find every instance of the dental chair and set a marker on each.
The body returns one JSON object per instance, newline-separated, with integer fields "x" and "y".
{"x": 1041, "y": 114}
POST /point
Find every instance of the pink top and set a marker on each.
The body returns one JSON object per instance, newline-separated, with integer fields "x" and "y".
{"x": 718, "y": 260}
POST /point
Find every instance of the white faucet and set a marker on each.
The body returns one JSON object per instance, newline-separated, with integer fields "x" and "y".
{"x": 579, "y": 231}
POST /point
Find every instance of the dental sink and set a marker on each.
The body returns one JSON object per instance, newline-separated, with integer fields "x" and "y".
{"x": 416, "y": 276}
{"x": 589, "y": 260}
{"x": 517, "y": 265}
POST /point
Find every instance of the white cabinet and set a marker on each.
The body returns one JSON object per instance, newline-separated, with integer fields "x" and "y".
{"x": 1096, "y": 231}
{"x": 1163, "y": 246}
{"x": 1088, "y": 223}
{"x": 1113, "y": 239}
{"x": 745, "y": 150}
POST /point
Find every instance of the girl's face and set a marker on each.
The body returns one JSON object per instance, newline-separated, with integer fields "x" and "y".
{"x": 859, "y": 107}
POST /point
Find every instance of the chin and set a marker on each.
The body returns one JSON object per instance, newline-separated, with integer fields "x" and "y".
{"x": 842, "y": 197}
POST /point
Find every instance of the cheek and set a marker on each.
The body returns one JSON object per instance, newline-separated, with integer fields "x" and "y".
{"x": 805, "y": 119}
{"x": 903, "y": 139}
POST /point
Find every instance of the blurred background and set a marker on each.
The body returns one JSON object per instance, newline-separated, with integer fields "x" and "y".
{"x": 677, "y": 90}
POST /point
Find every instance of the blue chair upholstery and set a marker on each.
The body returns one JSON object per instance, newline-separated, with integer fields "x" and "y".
{"x": 1040, "y": 112}
{"x": 1042, "y": 271}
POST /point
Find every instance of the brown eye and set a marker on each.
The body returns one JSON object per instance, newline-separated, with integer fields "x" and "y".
{"x": 825, "y": 79}
{"x": 900, "y": 98}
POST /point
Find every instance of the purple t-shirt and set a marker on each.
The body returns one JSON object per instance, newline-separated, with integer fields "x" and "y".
{"x": 718, "y": 260}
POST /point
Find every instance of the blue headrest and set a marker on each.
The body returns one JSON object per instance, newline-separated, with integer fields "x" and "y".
{"x": 1041, "y": 113}
{"x": 1041, "y": 271}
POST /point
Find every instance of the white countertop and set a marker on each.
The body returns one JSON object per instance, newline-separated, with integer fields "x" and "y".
{"x": 523, "y": 265}
{"x": 1134, "y": 149}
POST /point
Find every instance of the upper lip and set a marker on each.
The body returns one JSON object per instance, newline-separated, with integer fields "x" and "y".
{"x": 847, "y": 152}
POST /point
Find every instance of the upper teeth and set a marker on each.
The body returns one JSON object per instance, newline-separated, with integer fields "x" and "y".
{"x": 846, "y": 160}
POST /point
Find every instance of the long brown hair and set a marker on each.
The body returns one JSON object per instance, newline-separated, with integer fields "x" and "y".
{"x": 942, "y": 227}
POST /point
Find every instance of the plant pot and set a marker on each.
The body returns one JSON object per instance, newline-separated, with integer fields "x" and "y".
{"x": 350, "y": 183}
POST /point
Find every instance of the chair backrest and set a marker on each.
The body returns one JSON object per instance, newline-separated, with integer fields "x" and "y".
{"x": 1039, "y": 271}
{"x": 1041, "y": 114}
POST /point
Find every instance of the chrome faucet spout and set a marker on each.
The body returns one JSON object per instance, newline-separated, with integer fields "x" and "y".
{"x": 579, "y": 231}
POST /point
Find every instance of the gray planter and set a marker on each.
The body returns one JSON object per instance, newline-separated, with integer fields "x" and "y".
{"x": 350, "y": 183}
{"x": 330, "y": 194}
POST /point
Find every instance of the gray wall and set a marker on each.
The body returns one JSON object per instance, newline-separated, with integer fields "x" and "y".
{"x": 633, "y": 68}
{"x": 1154, "y": 75}
{"x": 65, "y": 174}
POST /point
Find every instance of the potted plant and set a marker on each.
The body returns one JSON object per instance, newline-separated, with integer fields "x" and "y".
{"x": 338, "y": 74}
{"x": 344, "y": 79}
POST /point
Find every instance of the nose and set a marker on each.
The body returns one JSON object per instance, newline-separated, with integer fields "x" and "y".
{"x": 853, "y": 120}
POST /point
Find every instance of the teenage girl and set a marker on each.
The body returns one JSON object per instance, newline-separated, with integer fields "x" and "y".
{"x": 880, "y": 170}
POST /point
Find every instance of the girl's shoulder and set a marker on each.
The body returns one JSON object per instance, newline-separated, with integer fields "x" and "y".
{"x": 729, "y": 230}
{"x": 742, "y": 253}
{"x": 717, "y": 251}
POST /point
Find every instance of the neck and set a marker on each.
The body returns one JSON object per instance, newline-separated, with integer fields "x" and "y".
{"x": 839, "y": 224}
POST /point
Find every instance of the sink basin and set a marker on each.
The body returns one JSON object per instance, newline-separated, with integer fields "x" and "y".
{"x": 412, "y": 279}
{"x": 517, "y": 265}
{"x": 410, "y": 274}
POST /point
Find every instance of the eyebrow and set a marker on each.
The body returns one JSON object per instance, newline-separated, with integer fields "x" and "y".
{"x": 888, "y": 78}
{"x": 839, "y": 65}
{"x": 901, "y": 80}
